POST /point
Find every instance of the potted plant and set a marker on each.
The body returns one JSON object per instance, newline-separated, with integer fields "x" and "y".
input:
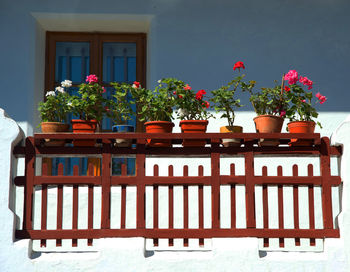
{"x": 90, "y": 106}
{"x": 192, "y": 110}
{"x": 53, "y": 112}
{"x": 224, "y": 101}
{"x": 155, "y": 109}
{"x": 270, "y": 105}
{"x": 301, "y": 111}
{"x": 120, "y": 110}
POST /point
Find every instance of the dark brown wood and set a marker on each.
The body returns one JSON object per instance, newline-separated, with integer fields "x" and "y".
{"x": 155, "y": 203}
{"x": 75, "y": 205}
{"x": 233, "y": 197}
{"x": 185, "y": 207}
{"x": 215, "y": 186}
{"x": 265, "y": 207}
{"x": 176, "y": 233}
{"x": 28, "y": 188}
{"x": 90, "y": 204}
{"x": 249, "y": 187}
{"x": 171, "y": 204}
{"x": 140, "y": 180}
{"x": 123, "y": 207}
{"x": 311, "y": 204}
{"x": 296, "y": 204}
{"x": 325, "y": 162}
{"x": 200, "y": 205}
{"x": 280, "y": 205}
{"x": 106, "y": 185}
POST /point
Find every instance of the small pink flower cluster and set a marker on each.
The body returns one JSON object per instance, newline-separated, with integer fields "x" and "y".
{"x": 91, "y": 78}
{"x": 292, "y": 77}
{"x": 306, "y": 82}
{"x": 321, "y": 98}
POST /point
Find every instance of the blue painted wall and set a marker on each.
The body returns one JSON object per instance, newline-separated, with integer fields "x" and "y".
{"x": 197, "y": 41}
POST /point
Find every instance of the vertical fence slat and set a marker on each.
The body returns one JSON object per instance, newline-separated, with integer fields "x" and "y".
{"x": 29, "y": 184}
{"x": 185, "y": 196}
{"x": 59, "y": 204}
{"x": 43, "y": 204}
{"x": 249, "y": 185}
{"x": 140, "y": 174}
{"x": 123, "y": 207}
{"x": 171, "y": 204}
{"x": 326, "y": 187}
{"x": 155, "y": 204}
{"x": 280, "y": 205}
{"x": 265, "y": 206}
{"x": 90, "y": 204}
{"x": 296, "y": 204}
{"x": 215, "y": 184}
{"x": 106, "y": 184}
{"x": 200, "y": 205}
{"x": 310, "y": 171}
{"x": 75, "y": 205}
{"x": 233, "y": 197}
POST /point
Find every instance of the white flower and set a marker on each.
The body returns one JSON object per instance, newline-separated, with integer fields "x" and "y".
{"x": 60, "y": 89}
{"x": 69, "y": 104}
{"x": 182, "y": 112}
{"x": 159, "y": 81}
{"x": 50, "y": 93}
{"x": 67, "y": 83}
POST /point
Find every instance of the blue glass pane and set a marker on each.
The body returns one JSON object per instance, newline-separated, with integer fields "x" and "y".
{"x": 117, "y": 166}
{"x": 131, "y": 69}
{"x": 119, "y": 62}
{"x": 68, "y": 164}
{"x": 72, "y": 61}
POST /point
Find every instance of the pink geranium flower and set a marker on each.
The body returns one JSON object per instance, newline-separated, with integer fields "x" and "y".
{"x": 306, "y": 82}
{"x": 292, "y": 77}
{"x": 91, "y": 78}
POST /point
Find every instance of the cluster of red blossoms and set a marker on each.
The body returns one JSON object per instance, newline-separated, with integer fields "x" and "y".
{"x": 91, "y": 78}
{"x": 199, "y": 95}
{"x": 238, "y": 65}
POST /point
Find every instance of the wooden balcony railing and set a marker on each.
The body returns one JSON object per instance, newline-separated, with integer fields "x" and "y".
{"x": 105, "y": 150}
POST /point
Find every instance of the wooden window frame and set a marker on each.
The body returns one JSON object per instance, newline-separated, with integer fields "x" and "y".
{"x": 96, "y": 41}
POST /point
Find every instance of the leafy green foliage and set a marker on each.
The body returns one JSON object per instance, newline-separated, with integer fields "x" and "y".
{"x": 224, "y": 98}
{"x": 154, "y": 105}
{"x": 270, "y": 101}
{"x": 55, "y": 107}
{"x": 119, "y": 108}
{"x": 89, "y": 104}
{"x": 301, "y": 108}
{"x": 188, "y": 105}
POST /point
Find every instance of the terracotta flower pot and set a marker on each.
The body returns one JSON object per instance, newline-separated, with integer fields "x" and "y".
{"x": 54, "y": 127}
{"x": 301, "y": 127}
{"x": 84, "y": 126}
{"x": 231, "y": 129}
{"x": 268, "y": 124}
{"x": 159, "y": 127}
{"x": 123, "y": 129}
{"x": 193, "y": 126}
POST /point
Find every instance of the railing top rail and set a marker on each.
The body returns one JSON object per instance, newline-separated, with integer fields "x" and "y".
{"x": 113, "y": 135}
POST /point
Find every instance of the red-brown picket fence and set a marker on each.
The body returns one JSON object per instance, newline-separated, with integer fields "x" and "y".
{"x": 34, "y": 147}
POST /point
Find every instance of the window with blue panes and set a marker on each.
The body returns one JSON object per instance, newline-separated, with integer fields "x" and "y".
{"x": 112, "y": 57}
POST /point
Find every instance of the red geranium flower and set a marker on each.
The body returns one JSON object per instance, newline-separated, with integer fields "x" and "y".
{"x": 199, "y": 94}
{"x": 206, "y": 104}
{"x": 286, "y": 88}
{"x": 238, "y": 65}
{"x": 136, "y": 85}
{"x": 187, "y": 87}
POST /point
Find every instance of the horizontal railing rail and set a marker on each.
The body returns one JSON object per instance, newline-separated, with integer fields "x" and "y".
{"x": 104, "y": 150}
